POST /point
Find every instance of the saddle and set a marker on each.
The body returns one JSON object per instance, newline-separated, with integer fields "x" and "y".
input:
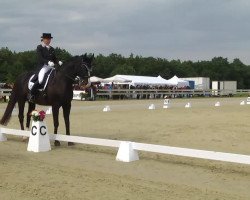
{"x": 48, "y": 75}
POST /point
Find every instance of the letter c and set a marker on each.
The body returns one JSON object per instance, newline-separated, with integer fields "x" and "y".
{"x": 43, "y": 130}
{"x": 32, "y": 130}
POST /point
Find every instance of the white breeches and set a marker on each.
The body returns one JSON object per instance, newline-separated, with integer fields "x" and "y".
{"x": 42, "y": 73}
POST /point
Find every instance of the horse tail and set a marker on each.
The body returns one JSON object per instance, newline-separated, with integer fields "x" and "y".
{"x": 8, "y": 111}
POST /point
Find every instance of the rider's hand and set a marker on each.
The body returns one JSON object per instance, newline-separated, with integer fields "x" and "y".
{"x": 60, "y": 63}
{"x": 51, "y": 64}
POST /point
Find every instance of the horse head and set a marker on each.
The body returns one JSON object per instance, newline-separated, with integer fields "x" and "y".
{"x": 84, "y": 69}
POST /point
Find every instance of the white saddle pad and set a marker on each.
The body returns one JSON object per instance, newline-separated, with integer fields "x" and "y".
{"x": 30, "y": 83}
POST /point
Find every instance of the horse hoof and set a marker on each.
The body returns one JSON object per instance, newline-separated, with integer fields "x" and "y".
{"x": 71, "y": 143}
{"x": 57, "y": 143}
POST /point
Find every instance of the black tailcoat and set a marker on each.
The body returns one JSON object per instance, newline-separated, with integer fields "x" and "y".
{"x": 45, "y": 55}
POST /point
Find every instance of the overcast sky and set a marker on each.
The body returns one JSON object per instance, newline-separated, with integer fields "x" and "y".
{"x": 172, "y": 29}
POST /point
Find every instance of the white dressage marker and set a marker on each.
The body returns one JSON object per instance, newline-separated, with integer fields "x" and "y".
{"x": 39, "y": 140}
{"x": 106, "y": 109}
{"x": 188, "y": 105}
{"x": 217, "y": 104}
{"x": 242, "y": 103}
{"x": 248, "y": 100}
{"x": 49, "y": 111}
{"x": 2, "y": 136}
{"x": 126, "y": 152}
{"x": 151, "y": 107}
{"x": 14, "y": 112}
{"x": 166, "y": 103}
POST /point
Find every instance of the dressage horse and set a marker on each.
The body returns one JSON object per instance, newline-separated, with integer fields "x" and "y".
{"x": 59, "y": 92}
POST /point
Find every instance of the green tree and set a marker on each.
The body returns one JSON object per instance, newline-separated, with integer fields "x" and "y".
{"x": 123, "y": 69}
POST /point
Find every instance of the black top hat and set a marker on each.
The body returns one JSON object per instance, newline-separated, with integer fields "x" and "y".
{"x": 46, "y": 35}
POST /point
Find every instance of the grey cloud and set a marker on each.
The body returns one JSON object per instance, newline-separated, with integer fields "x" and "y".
{"x": 174, "y": 29}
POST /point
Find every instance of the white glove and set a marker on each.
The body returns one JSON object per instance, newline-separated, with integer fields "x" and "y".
{"x": 51, "y": 64}
{"x": 60, "y": 63}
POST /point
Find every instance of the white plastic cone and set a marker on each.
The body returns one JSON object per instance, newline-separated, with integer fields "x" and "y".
{"x": 188, "y": 105}
{"x": 2, "y": 136}
{"x": 151, "y": 107}
{"x": 248, "y": 100}
{"x": 14, "y": 112}
{"x": 39, "y": 138}
{"x": 126, "y": 153}
{"x": 166, "y": 103}
{"x": 106, "y": 109}
{"x": 49, "y": 111}
{"x": 217, "y": 104}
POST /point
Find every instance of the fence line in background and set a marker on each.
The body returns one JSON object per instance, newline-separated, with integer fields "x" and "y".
{"x": 155, "y": 93}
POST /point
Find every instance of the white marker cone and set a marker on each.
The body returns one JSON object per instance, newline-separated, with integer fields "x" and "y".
{"x": 126, "y": 153}
{"x": 3, "y": 137}
{"x": 188, "y": 105}
{"x": 151, "y": 107}
{"x": 166, "y": 103}
{"x": 106, "y": 109}
{"x": 14, "y": 112}
{"x": 242, "y": 103}
{"x": 248, "y": 100}
{"x": 49, "y": 111}
{"x": 39, "y": 138}
{"x": 217, "y": 104}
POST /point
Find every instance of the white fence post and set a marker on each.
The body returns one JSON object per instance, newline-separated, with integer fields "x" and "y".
{"x": 39, "y": 138}
{"x": 2, "y": 136}
{"x": 126, "y": 153}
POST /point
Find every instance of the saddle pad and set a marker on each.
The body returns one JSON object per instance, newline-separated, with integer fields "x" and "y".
{"x": 44, "y": 84}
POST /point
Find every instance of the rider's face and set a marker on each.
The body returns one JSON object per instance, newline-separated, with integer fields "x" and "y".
{"x": 46, "y": 41}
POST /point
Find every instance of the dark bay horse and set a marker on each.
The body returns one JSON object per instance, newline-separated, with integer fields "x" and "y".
{"x": 59, "y": 92}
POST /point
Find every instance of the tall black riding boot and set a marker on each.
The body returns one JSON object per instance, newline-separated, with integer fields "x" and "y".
{"x": 33, "y": 91}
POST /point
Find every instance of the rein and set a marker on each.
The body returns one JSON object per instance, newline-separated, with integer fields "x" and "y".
{"x": 83, "y": 64}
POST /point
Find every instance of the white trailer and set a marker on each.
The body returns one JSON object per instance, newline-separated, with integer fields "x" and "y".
{"x": 201, "y": 83}
{"x": 224, "y": 88}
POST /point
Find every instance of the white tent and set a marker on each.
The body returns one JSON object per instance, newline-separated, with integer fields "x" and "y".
{"x": 180, "y": 83}
{"x": 95, "y": 79}
{"x": 116, "y": 79}
{"x": 139, "y": 80}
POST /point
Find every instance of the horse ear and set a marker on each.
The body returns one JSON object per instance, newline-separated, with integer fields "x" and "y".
{"x": 85, "y": 55}
{"x": 93, "y": 56}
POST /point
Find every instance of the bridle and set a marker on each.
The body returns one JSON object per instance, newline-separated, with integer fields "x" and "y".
{"x": 84, "y": 64}
{"x": 81, "y": 79}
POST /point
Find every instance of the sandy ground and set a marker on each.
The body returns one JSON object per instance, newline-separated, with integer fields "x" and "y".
{"x": 90, "y": 172}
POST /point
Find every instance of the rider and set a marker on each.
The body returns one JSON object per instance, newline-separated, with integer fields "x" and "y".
{"x": 46, "y": 61}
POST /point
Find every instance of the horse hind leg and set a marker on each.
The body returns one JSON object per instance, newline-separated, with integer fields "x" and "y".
{"x": 21, "y": 105}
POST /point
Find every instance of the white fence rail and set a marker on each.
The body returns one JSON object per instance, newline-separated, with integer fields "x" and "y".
{"x": 177, "y": 151}
{"x": 153, "y": 93}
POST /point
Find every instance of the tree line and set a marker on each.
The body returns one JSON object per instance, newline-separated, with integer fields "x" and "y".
{"x": 12, "y": 64}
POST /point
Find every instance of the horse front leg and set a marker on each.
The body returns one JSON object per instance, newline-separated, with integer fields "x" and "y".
{"x": 66, "y": 113}
{"x": 55, "y": 111}
{"x": 32, "y": 107}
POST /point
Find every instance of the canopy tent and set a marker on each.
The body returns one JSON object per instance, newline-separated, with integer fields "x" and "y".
{"x": 138, "y": 80}
{"x": 95, "y": 79}
{"x": 116, "y": 79}
{"x": 180, "y": 83}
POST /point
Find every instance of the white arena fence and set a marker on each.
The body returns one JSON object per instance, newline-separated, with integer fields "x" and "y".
{"x": 152, "y": 93}
{"x": 128, "y": 150}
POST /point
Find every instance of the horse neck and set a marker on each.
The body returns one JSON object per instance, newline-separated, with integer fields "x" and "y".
{"x": 66, "y": 74}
